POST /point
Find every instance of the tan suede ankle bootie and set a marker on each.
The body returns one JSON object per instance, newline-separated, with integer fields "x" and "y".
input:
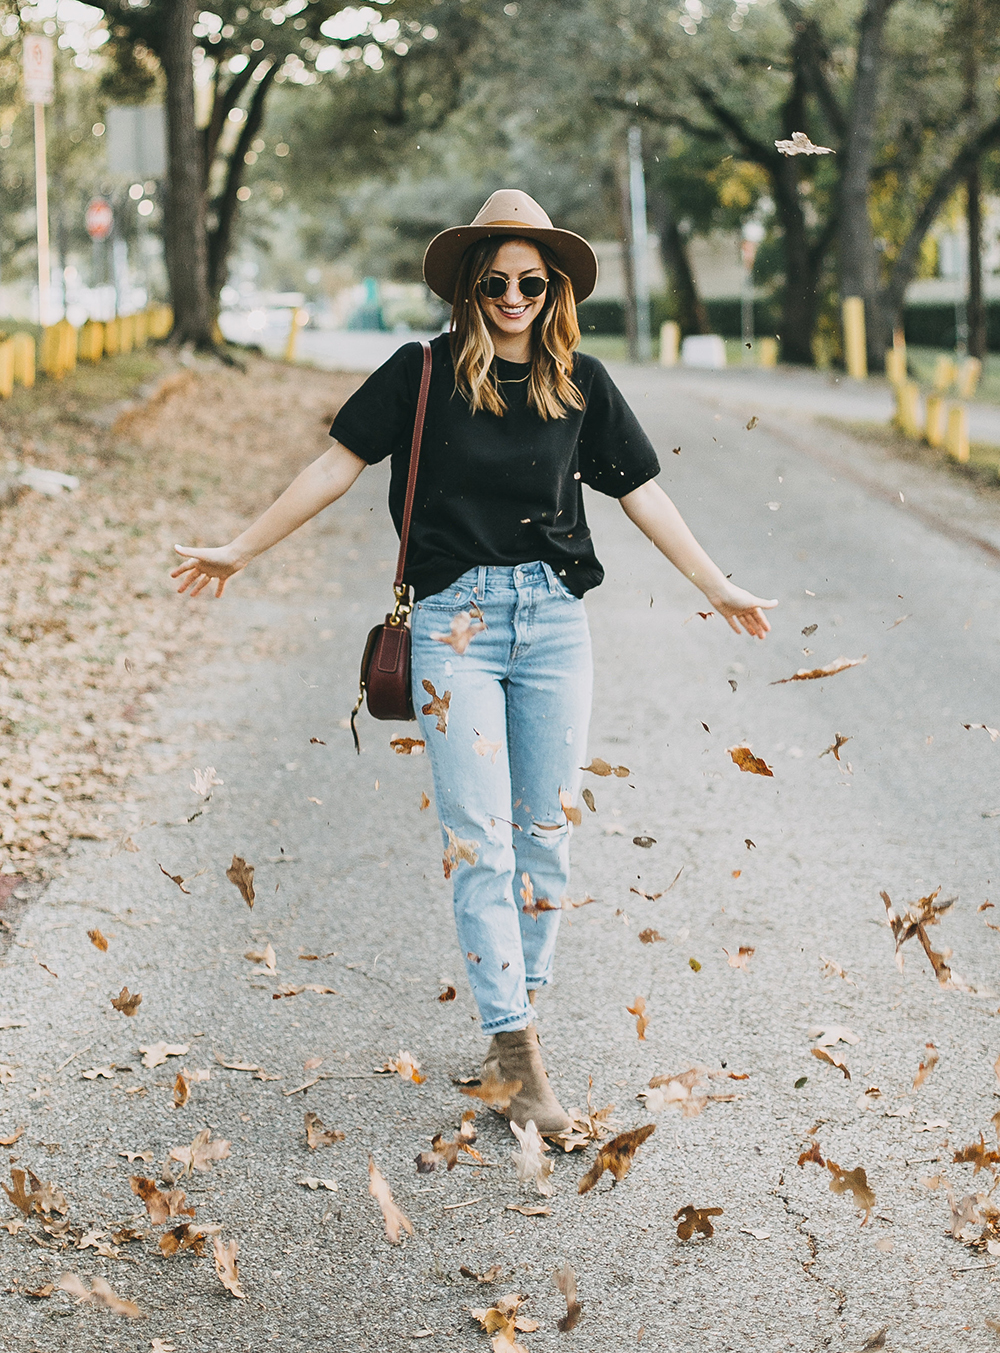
{"x": 515, "y": 1056}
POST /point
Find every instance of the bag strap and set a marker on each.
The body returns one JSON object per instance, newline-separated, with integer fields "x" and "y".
{"x": 402, "y": 591}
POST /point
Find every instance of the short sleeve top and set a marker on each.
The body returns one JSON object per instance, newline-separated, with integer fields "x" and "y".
{"x": 496, "y": 489}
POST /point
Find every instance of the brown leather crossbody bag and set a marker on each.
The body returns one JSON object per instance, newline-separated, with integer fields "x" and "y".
{"x": 385, "y": 664}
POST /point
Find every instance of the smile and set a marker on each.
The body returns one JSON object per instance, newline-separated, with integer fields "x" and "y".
{"x": 512, "y": 311}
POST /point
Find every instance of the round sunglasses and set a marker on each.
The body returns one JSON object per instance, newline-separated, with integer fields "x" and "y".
{"x": 495, "y": 286}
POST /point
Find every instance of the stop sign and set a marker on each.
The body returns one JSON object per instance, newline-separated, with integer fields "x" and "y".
{"x": 98, "y": 218}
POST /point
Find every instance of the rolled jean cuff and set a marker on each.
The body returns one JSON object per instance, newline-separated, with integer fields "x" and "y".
{"x": 510, "y": 1023}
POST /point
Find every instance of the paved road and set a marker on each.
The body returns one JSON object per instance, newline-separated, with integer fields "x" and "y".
{"x": 790, "y": 866}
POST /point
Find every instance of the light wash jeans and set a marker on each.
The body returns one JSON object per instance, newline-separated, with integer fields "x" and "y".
{"x": 518, "y": 706}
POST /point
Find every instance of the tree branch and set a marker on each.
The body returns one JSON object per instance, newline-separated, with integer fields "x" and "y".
{"x": 758, "y": 151}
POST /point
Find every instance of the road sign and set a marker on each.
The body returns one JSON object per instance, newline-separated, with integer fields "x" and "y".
{"x": 98, "y": 218}
{"x": 39, "y": 74}
{"x": 136, "y": 141}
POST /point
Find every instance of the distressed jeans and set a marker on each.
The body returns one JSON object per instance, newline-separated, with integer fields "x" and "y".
{"x": 505, "y": 724}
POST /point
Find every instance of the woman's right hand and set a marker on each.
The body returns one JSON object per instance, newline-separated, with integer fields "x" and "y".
{"x": 201, "y": 565}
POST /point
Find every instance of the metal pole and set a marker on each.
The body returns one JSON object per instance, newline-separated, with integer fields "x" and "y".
{"x": 42, "y": 215}
{"x": 640, "y": 243}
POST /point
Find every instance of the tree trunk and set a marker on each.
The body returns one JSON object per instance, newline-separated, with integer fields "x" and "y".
{"x": 975, "y": 306}
{"x": 185, "y": 242}
{"x": 798, "y": 298}
{"x": 859, "y": 270}
{"x": 691, "y": 313}
{"x": 628, "y": 272}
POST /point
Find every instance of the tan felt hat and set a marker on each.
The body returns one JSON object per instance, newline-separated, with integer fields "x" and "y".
{"x": 509, "y": 212}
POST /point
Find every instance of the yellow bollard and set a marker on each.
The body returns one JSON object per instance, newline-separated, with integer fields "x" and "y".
{"x": 968, "y": 377}
{"x": 945, "y": 372}
{"x": 300, "y": 317}
{"x": 856, "y": 356}
{"x": 767, "y": 351}
{"x": 670, "y": 342}
{"x": 112, "y": 337}
{"x": 935, "y": 422}
{"x": 90, "y": 346}
{"x": 140, "y": 329}
{"x": 66, "y": 346}
{"x": 958, "y": 433}
{"x": 908, "y": 408}
{"x": 24, "y": 360}
{"x": 6, "y": 368}
{"x": 161, "y": 321}
{"x": 50, "y": 352}
{"x": 895, "y": 366}
{"x": 126, "y": 333}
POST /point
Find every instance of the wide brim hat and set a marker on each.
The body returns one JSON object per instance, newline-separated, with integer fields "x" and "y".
{"x": 509, "y": 212}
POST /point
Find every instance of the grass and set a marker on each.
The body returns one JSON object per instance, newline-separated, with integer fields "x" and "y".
{"x": 921, "y": 362}
{"x": 983, "y": 465}
{"x": 87, "y": 388}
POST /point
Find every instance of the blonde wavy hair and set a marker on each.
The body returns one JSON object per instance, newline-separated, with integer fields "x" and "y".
{"x": 555, "y": 337}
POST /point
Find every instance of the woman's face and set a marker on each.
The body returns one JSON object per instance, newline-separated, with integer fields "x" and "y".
{"x": 512, "y": 314}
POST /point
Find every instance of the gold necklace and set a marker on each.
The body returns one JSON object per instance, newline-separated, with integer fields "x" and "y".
{"x": 513, "y": 380}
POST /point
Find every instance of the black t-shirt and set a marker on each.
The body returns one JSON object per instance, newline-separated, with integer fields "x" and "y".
{"x": 496, "y": 490}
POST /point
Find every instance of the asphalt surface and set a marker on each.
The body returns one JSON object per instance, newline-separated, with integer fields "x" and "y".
{"x": 790, "y": 866}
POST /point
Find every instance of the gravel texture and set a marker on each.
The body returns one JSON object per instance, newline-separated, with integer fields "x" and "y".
{"x": 790, "y": 866}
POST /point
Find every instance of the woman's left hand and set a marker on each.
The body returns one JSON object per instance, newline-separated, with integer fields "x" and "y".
{"x": 739, "y": 607}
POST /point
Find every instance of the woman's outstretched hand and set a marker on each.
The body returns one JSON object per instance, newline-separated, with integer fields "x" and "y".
{"x": 739, "y": 607}
{"x": 202, "y": 565}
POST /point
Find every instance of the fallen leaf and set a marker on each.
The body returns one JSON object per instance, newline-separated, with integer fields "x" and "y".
{"x": 319, "y": 740}
{"x": 993, "y": 732}
{"x": 926, "y": 1066}
{"x": 493, "y": 1274}
{"x": 835, "y": 746}
{"x": 495, "y": 1093}
{"x": 108, "y": 1072}
{"x": 503, "y": 1322}
{"x": 406, "y": 1066}
{"x": 176, "y": 878}
{"x": 977, "y": 1155}
{"x": 202, "y": 1152}
{"x": 694, "y": 965}
{"x": 407, "y": 746}
{"x": 827, "y": 1035}
{"x": 834, "y": 1059}
{"x": 40, "y": 1293}
{"x": 616, "y": 1156}
{"x": 205, "y": 781}
{"x": 457, "y": 851}
{"x": 182, "y": 1090}
{"x": 914, "y": 921}
{"x": 832, "y": 969}
{"x": 644, "y": 842}
{"x": 126, "y": 1003}
{"x": 395, "y": 1221}
{"x": 757, "y": 1235}
{"x": 876, "y": 1340}
{"x": 529, "y": 1161}
{"x": 650, "y": 897}
{"x": 688, "y": 1090}
{"x": 448, "y": 994}
{"x": 240, "y": 874}
{"x": 132, "y": 1156}
{"x": 265, "y": 956}
{"x": 444, "y": 1152}
{"x": 741, "y": 959}
{"x": 236, "y": 1066}
{"x": 98, "y": 940}
{"x": 484, "y": 747}
{"x": 649, "y": 936}
{"x": 601, "y": 767}
{"x": 745, "y": 759}
{"x": 100, "y": 1292}
{"x": 641, "y": 1022}
{"x": 155, "y": 1054}
{"x": 225, "y": 1266}
{"x": 437, "y": 706}
{"x": 9, "y": 1141}
{"x": 461, "y": 633}
{"x": 752, "y": 423}
{"x": 565, "y": 1279}
{"x": 311, "y": 1182}
{"x": 188, "y": 1236}
{"x": 159, "y": 1204}
{"x": 572, "y": 814}
{"x": 853, "y": 1181}
{"x": 43, "y": 1198}
{"x": 530, "y": 1209}
{"x": 691, "y": 1219}
{"x": 318, "y": 1135}
{"x": 424, "y": 801}
{"x": 815, "y": 673}
{"x": 801, "y": 145}
{"x": 812, "y": 1154}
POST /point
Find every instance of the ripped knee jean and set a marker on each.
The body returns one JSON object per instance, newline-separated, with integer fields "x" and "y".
{"x": 506, "y": 731}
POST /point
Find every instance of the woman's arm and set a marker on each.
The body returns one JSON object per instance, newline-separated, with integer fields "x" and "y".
{"x": 656, "y": 517}
{"x": 320, "y": 484}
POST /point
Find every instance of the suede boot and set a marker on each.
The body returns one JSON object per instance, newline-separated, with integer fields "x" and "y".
{"x": 516, "y": 1056}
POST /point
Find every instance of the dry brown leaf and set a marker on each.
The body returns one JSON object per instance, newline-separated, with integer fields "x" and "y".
{"x": 600, "y": 767}
{"x": 405, "y": 1065}
{"x": 437, "y": 706}
{"x": 40, "y": 1293}
{"x": 588, "y": 797}
{"x": 125, "y": 1002}
{"x": 395, "y": 1221}
{"x": 311, "y": 1182}
{"x": 457, "y": 851}
{"x": 240, "y": 874}
{"x": 188, "y": 1236}
{"x": 6, "y": 1074}
{"x": 98, "y": 940}
{"x": 745, "y": 759}
{"x": 565, "y": 1279}
{"x": 100, "y": 1293}
{"x": 616, "y": 1156}
{"x": 812, "y": 1154}
{"x": 533, "y": 907}
{"x": 318, "y": 1135}
{"x": 827, "y": 1035}
{"x": 914, "y": 921}
{"x": 265, "y": 956}
{"x": 571, "y": 813}
{"x": 493, "y": 1274}
{"x": 691, "y": 1219}
{"x": 495, "y": 1093}
{"x": 741, "y": 959}
{"x": 132, "y": 1156}
{"x": 236, "y": 1066}
{"x": 202, "y": 1152}
{"x": 644, "y": 842}
{"x": 175, "y": 878}
{"x": 833, "y": 969}
{"x": 529, "y": 1161}
{"x": 649, "y": 935}
{"x": 424, "y": 801}
{"x": 42, "y": 1198}
{"x": 530, "y": 1209}
{"x": 688, "y": 1090}
{"x": 484, "y": 747}
{"x": 407, "y": 746}
{"x": 461, "y": 633}
{"x": 15, "y": 1136}
{"x": 977, "y": 1155}
{"x": 815, "y": 673}
{"x": 834, "y": 1059}
{"x": 448, "y": 994}
{"x": 641, "y": 1022}
{"x": 993, "y": 732}
{"x": 835, "y": 746}
{"x": 159, "y": 1204}
{"x": 155, "y": 1054}
{"x": 108, "y": 1073}
{"x": 854, "y": 1181}
{"x": 926, "y": 1066}
{"x": 182, "y": 1090}
{"x": 225, "y": 1266}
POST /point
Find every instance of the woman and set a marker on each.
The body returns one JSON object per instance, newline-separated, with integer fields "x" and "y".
{"x": 517, "y": 422}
